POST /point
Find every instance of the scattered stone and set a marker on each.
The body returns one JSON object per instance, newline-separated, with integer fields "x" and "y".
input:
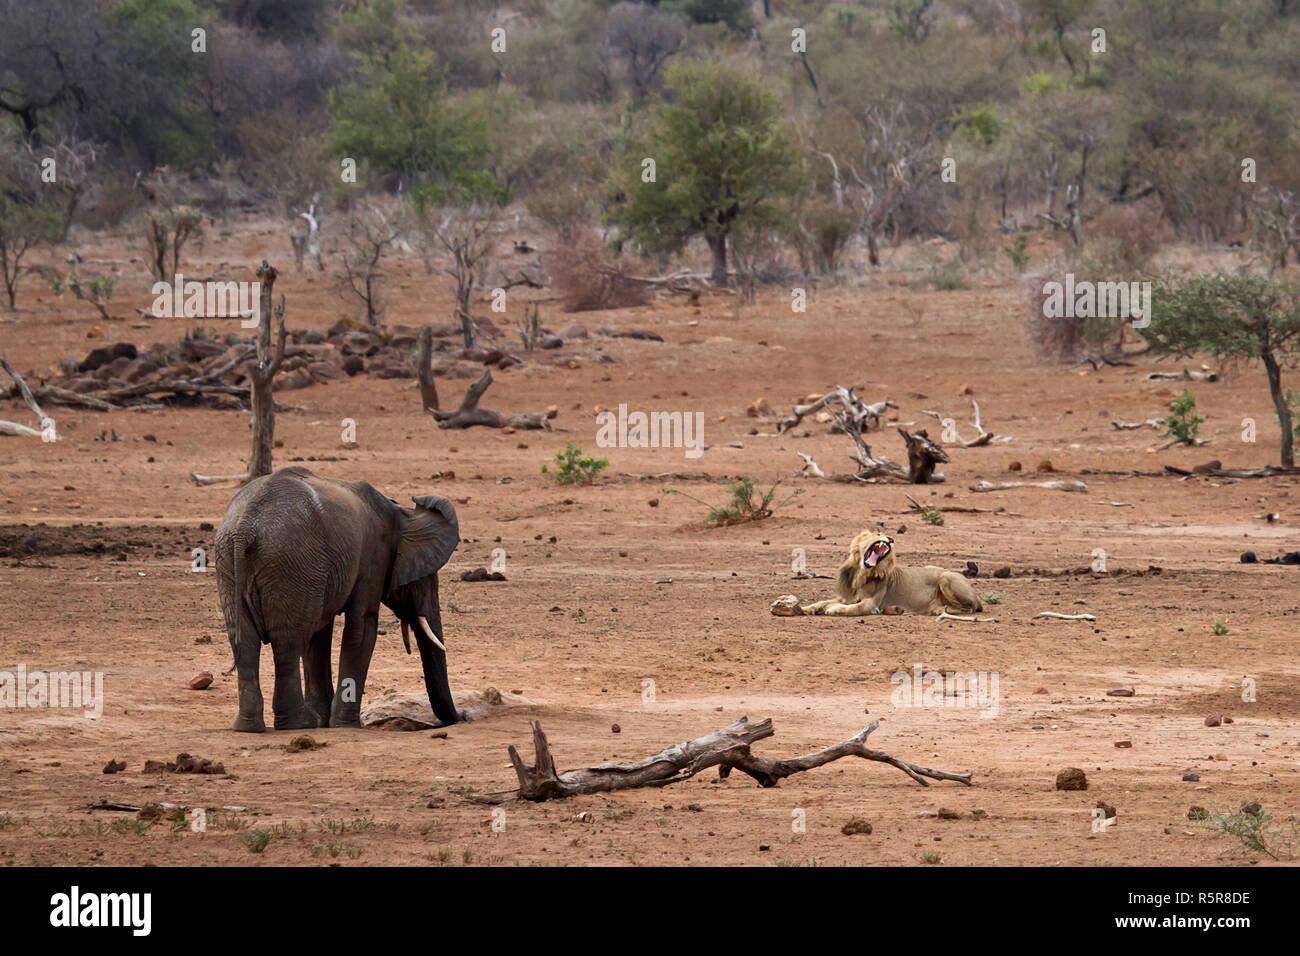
{"x": 1197, "y": 813}
{"x": 856, "y": 825}
{"x": 1003, "y": 572}
{"x": 303, "y": 742}
{"x": 1252, "y": 808}
{"x": 1041, "y": 690}
{"x": 1107, "y": 808}
{"x": 757, "y": 408}
{"x": 1214, "y": 720}
{"x": 1124, "y": 744}
{"x": 1071, "y": 778}
{"x": 1045, "y": 466}
{"x": 115, "y": 766}
{"x": 616, "y": 729}
{"x": 203, "y": 679}
{"x": 946, "y": 814}
{"x": 979, "y": 814}
{"x": 1120, "y": 692}
{"x": 1014, "y": 466}
{"x": 1191, "y": 778}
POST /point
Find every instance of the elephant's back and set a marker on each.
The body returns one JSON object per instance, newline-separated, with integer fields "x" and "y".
{"x": 291, "y": 532}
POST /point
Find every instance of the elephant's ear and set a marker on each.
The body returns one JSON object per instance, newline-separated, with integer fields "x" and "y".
{"x": 429, "y": 537}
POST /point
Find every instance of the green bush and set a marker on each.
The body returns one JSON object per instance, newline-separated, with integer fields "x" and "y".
{"x": 572, "y": 467}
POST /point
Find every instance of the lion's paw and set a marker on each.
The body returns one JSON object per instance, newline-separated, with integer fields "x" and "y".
{"x": 787, "y": 606}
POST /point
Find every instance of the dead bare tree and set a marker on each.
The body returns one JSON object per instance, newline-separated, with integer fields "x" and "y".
{"x": 852, "y": 416}
{"x": 311, "y": 241}
{"x": 370, "y": 233}
{"x": 469, "y": 414}
{"x": 424, "y": 370}
{"x": 466, "y": 232}
{"x": 261, "y": 375}
{"x": 894, "y": 163}
{"x": 727, "y": 749}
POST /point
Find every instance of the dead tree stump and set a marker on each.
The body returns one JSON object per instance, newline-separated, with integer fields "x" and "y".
{"x": 262, "y": 373}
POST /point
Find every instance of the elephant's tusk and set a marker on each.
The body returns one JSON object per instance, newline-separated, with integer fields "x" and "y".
{"x": 429, "y": 631}
{"x": 406, "y": 637}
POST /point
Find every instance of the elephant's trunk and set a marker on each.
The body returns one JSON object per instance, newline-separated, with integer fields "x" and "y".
{"x": 433, "y": 658}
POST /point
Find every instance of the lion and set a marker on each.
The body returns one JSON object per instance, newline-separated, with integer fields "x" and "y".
{"x": 872, "y": 582}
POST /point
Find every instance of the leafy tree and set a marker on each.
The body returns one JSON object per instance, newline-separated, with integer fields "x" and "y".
{"x": 396, "y": 115}
{"x": 719, "y": 154}
{"x": 1243, "y": 316}
{"x": 734, "y": 13}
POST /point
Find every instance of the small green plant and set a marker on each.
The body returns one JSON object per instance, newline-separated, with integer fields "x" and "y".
{"x": 993, "y": 597}
{"x": 1182, "y": 421}
{"x": 257, "y": 840}
{"x": 744, "y": 503}
{"x": 572, "y": 467}
{"x": 933, "y": 856}
{"x": 1220, "y": 628}
{"x": 932, "y": 516}
{"x": 1252, "y": 826}
{"x": 580, "y": 616}
{"x": 97, "y": 291}
{"x": 1017, "y": 251}
{"x": 949, "y": 277}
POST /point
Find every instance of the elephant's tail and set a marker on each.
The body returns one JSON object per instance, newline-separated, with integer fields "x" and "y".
{"x": 243, "y": 606}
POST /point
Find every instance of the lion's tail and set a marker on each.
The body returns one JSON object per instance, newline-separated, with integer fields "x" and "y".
{"x": 958, "y": 594}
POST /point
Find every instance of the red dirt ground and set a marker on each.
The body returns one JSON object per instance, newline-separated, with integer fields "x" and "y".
{"x": 665, "y": 599}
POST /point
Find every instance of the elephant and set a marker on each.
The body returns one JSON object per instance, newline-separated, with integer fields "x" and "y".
{"x": 295, "y": 550}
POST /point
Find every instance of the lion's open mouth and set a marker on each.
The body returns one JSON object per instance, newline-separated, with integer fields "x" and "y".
{"x": 875, "y": 553}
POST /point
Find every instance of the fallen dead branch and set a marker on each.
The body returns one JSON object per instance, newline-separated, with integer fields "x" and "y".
{"x": 1121, "y": 425}
{"x": 1055, "y": 484}
{"x": 1066, "y": 617}
{"x": 1185, "y": 375}
{"x": 945, "y": 616}
{"x": 919, "y": 508}
{"x": 982, "y": 437}
{"x": 469, "y": 414}
{"x": 726, "y": 749}
{"x": 1268, "y": 471}
{"x": 46, "y": 432}
{"x": 216, "y": 479}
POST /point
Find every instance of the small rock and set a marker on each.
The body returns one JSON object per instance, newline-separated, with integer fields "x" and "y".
{"x": 616, "y": 729}
{"x": 1191, "y": 778}
{"x": 1003, "y": 572}
{"x": 1120, "y": 692}
{"x": 1041, "y": 690}
{"x": 302, "y": 742}
{"x": 1252, "y": 808}
{"x": 1071, "y": 778}
{"x": 856, "y": 825}
{"x": 115, "y": 766}
{"x": 1124, "y": 744}
{"x": 1109, "y": 810}
{"x": 201, "y": 680}
{"x": 946, "y": 814}
{"x": 1214, "y": 720}
{"x": 1014, "y": 466}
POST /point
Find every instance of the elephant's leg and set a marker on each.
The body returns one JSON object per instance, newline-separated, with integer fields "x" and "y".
{"x": 360, "y": 628}
{"x": 287, "y": 703}
{"x": 319, "y": 674}
{"x": 246, "y": 644}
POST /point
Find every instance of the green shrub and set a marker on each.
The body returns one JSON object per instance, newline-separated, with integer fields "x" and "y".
{"x": 572, "y": 467}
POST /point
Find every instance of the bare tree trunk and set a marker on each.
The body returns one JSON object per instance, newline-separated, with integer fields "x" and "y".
{"x": 1279, "y": 403}
{"x": 424, "y": 369}
{"x": 261, "y": 375}
{"x": 718, "y": 245}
